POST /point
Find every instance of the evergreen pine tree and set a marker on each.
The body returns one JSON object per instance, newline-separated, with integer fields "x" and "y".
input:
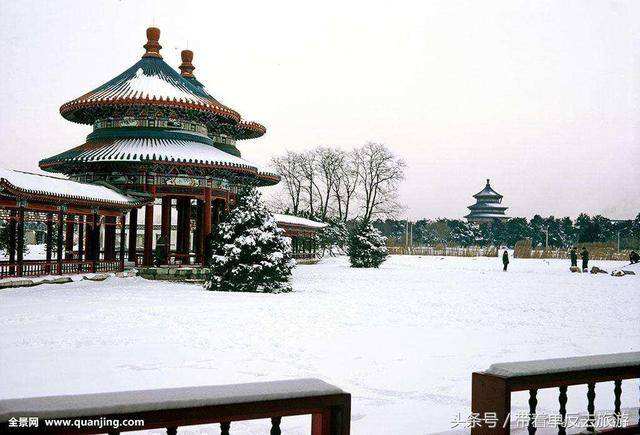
{"x": 366, "y": 246}
{"x": 333, "y": 237}
{"x": 249, "y": 253}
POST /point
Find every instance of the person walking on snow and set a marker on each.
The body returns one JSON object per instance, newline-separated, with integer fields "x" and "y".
{"x": 585, "y": 259}
{"x": 505, "y": 260}
{"x": 574, "y": 257}
{"x": 634, "y": 257}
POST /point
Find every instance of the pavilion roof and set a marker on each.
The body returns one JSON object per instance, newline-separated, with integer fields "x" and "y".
{"x": 150, "y": 81}
{"x": 499, "y": 216}
{"x": 298, "y": 221}
{"x": 487, "y": 206}
{"x": 157, "y": 150}
{"x": 18, "y": 182}
{"x": 487, "y": 192}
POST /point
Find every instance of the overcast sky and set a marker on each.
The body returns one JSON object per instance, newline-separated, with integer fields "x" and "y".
{"x": 542, "y": 97}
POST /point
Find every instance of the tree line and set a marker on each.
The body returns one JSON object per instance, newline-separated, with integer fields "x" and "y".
{"x": 562, "y": 232}
{"x": 334, "y": 185}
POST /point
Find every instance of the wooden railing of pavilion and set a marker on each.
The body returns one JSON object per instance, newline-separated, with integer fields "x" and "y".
{"x": 174, "y": 259}
{"x": 31, "y": 268}
{"x": 329, "y": 407}
{"x": 491, "y": 390}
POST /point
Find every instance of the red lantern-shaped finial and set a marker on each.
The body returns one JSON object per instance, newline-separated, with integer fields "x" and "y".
{"x": 186, "y": 68}
{"x": 152, "y": 46}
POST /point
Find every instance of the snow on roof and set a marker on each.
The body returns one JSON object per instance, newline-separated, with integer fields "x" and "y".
{"x": 148, "y": 80}
{"x": 56, "y": 186}
{"x": 147, "y": 86}
{"x": 296, "y": 220}
{"x": 560, "y": 365}
{"x": 168, "y": 398}
{"x": 156, "y": 149}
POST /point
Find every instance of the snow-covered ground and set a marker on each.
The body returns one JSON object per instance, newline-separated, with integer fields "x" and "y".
{"x": 402, "y": 339}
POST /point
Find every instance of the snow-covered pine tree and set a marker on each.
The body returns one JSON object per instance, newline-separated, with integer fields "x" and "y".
{"x": 366, "y": 246}
{"x": 249, "y": 253}
{"x": 333, "y": 237}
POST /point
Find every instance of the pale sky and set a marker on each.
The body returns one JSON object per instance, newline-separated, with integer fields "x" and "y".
{"x": 543, "y": 97}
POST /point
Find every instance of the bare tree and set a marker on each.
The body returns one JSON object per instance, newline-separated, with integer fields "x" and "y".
{"x": 289, "y": 167}
{"x": 347, "y": 177}
{"x": 380, "y": 174}
{"x": 309, "y": 168}
{"x": 328, "y": 182}
{"x": 328, "y": 162}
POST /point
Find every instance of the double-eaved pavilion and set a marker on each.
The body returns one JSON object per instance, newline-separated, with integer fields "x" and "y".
{"x": 159, "y": 139}
{"x": 488, "y": 207}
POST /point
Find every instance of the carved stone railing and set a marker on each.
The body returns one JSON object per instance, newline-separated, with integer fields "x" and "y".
{"x": 329, "y": 406}
{"x": 491, "y": 389}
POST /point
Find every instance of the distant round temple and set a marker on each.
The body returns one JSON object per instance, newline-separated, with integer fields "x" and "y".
{"x": 488, "y": 207}
{"x": 160, "y": 141}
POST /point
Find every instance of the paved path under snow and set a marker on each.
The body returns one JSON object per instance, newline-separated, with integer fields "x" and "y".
{"x": 402, "y": 339}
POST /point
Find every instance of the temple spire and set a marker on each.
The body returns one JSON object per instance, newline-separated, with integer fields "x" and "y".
{"x": 186, "y": 68}
{"x": 152, "y": 46}
{"x": 488, "y": 206}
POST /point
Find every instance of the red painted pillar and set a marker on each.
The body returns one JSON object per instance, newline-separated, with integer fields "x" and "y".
{"x": 97, "y": 245}
{"x": 186, "y": 228}
{"x": 93, "y": 240}
{"x": 148, "y": 235}
{"x": 88, "y": 238}
{"x": 215, "y": 218}
{"x": 13, "y": 221}
{"x": 133, "y": 233}
{"x": 68, "y": 236}
{"x": 165, "y": 230}
{"x": 206, "y": 226}
{"x": 110, "y": 238}
{"x": 59, "y": 240}
{"x": 20, "y": 239}
{"x": 49, "y": 243}
{"x": 123, "y": 220}
{"x": 179, "y": 216}
{"x": 197, "y": 233}
{"x": 81, "y": 253}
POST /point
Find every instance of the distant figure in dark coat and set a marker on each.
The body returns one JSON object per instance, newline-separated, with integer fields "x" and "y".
{"x": 634, "y": 257}
{"x": 585, "y": 259}
{"x": 505, "y": 260}
{"x": 574, "y": 257}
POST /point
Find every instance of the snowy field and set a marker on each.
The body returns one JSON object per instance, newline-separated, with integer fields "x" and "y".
{"x": 403, "y": 339}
